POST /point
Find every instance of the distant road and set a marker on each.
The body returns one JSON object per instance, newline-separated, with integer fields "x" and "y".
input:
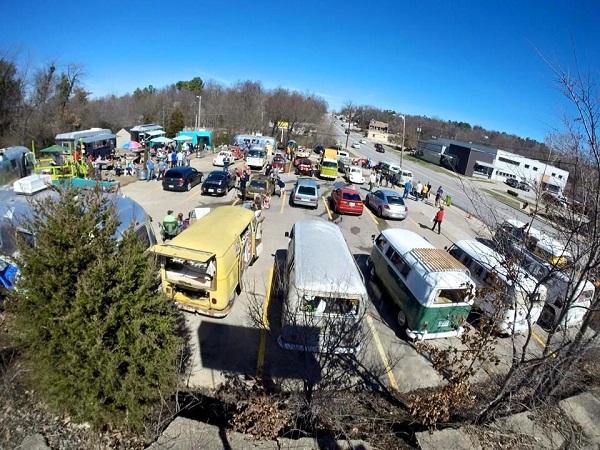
{"x": 466, "y": 192}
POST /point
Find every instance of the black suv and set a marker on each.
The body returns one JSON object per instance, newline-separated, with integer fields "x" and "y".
{"x": 512, "y": 182}
{"x": 181, "y": 179}
{"x": 379, "y": 148}
{"x": 319, "y": 149}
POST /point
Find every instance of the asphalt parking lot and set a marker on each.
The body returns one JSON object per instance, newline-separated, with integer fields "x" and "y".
{"x": 237, "y": 344}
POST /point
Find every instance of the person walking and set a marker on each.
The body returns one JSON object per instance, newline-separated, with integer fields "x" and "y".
{"x": 438, "y": 196}
{"x": 438, "y": 219}
{"x": 173, "y": 158}
{"x": 424, "y": 192}
{"x": 150, "y": 166}
{"x": 162, "y": 167}
{"x": 418, "y": 189}
{"x": 243, "y": 184}
{"x": 180, "y": 157}
{"x": 394, "y": 180}
{"x": 407, "y": 188}
{"x": 372, "y": 180}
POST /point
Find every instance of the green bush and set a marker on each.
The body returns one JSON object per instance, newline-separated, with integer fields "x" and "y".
{"x": 513, "y": 193}
{"x": 98, "y": 338}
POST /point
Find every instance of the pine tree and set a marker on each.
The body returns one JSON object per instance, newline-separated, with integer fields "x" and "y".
{"x": 98, "y": 337}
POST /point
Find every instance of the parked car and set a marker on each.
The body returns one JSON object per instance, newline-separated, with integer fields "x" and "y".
{"x": 356, "y": 145}
{"x": 354, "y": 174}
{"x": 304, "y": 167}
{"x": 218, "y": 182}
{"x": 524, "y": 186}
{"x": 260, "y": 184}
{"x": 387, "y": 203}
{"x": 346, "y": 201}
{"x": 379, "y": 148}
{"x": 278, "y": 162}
{"x": 181, "y": 179}
{"x": 512, "y": 182}
{"x": 220, "y": 158}
{"x": 306, "y": 192}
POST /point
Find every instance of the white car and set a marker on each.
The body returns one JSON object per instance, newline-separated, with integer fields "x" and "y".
{"x": 356, "y": 145}
{"x": 219, "y": 160}
{"x": 354, "y": 174}
{"x": 363, "y": 141}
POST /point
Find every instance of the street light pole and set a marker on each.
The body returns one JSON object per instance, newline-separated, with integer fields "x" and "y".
{"x": 348, "y": 129}
{"x": 199, "y": 97}
{"x": 402, "y": 148}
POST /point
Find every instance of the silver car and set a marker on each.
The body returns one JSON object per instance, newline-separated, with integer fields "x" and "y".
{"x": 306, "y": 193}
{"x": 387, "y": 203}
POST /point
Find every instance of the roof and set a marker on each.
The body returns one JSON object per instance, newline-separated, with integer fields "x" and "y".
{"x": 318, "y": 243}
{"x": 306, "y": 182}
{"x": 76, "y": 135}
{"x": 449, "y": 142}
{"x": 146, "y": 127}
{"x": 215, "y": 232}
{"x": 437, "y": 260}
{"x": 98, "y": 137}
{"x": 155, "y": 132}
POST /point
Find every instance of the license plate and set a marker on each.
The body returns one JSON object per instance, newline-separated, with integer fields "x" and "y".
{"x": 171, "y": 186}
{"x": 443, "y": 323}
{"x": 211, "y": 190}
{"x": 352, "y": 204}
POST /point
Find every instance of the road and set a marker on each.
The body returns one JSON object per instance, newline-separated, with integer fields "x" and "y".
{"x": 466, "y": 192}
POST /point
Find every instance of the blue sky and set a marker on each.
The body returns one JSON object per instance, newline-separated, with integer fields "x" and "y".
{"x": 473, "y": 61}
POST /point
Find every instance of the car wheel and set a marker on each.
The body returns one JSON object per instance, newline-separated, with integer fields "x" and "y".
{"x": 380, "y": 211}
{"x": 401, "y": 319}
{"x": 189, "y": 186}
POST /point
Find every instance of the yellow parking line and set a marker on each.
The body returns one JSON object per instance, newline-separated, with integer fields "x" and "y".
{"x": 194, "y": 194}
{"x": 260, "y": 362}
{"x": 282, "y": 201}
{"x": 384, "y": 358}
{"x": 542, "y": 343}
{"x": 235, "y": 201}
{"x": 326, "y": 207}
{"x": 371, "y": 214}
{"x": 153, "y": 190}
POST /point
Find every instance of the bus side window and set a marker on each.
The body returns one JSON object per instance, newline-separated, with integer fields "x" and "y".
{"x": 477, "y": 269}
{"x": 390, "y": 252}
{"x": 380, "y": 242}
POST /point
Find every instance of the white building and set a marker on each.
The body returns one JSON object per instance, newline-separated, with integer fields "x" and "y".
{"x": 532, "y": 171}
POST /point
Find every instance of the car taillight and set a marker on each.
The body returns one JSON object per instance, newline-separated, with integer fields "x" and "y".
{"x": 181, "y": 181}
{"x": 343, "y": 202}
{"x": 386, "y": 206}
{"x": 297, "y": 198}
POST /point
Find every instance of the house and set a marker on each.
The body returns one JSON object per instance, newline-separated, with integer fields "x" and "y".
{"x": 377, "y": 131}
{"x": 123, "y": 135}
{"x": 478, "y": 160}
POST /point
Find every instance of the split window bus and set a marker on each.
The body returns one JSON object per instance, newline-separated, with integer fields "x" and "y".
{"x": 202, "y": 268}
{"x": 509, "y": 296}
{"x": 433, "y": 291}
{"x": 324, "y": 292}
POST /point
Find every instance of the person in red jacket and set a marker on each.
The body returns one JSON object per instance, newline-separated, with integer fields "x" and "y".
{"x": 437, "y": 220}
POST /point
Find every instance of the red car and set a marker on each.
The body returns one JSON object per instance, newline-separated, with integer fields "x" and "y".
{"x": 278, "y": 162}
{"x": 347, "y": 201}
{"x": 304, "y": 167}
{"x": 237, "y": 151}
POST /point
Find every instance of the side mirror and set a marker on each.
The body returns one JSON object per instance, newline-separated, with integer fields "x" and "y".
{"x": 287, "y": 234}
{"x": 373, "y": 237}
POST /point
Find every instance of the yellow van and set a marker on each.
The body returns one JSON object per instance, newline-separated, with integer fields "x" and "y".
{"x": 203, "y": 266}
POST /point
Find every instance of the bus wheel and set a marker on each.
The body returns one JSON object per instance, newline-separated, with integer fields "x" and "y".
{"x": 238, "y": 289}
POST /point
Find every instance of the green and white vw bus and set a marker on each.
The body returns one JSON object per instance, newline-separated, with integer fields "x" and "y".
{"x": 433, "y": 290}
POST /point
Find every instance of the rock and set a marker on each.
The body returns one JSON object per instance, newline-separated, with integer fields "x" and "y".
{"x": 34, "y": 442}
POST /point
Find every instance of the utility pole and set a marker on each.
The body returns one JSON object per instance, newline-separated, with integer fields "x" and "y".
{"x": 403, "y": 132}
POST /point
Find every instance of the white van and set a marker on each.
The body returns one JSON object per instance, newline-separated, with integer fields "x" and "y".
{"x": 324, "y": 302}
{"x": 507, "y": 294}
{"x": 256, "y": 158}
{"x": 342, "y": 154}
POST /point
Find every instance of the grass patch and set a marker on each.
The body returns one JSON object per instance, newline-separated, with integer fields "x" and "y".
{"x": 510, "y": 201}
